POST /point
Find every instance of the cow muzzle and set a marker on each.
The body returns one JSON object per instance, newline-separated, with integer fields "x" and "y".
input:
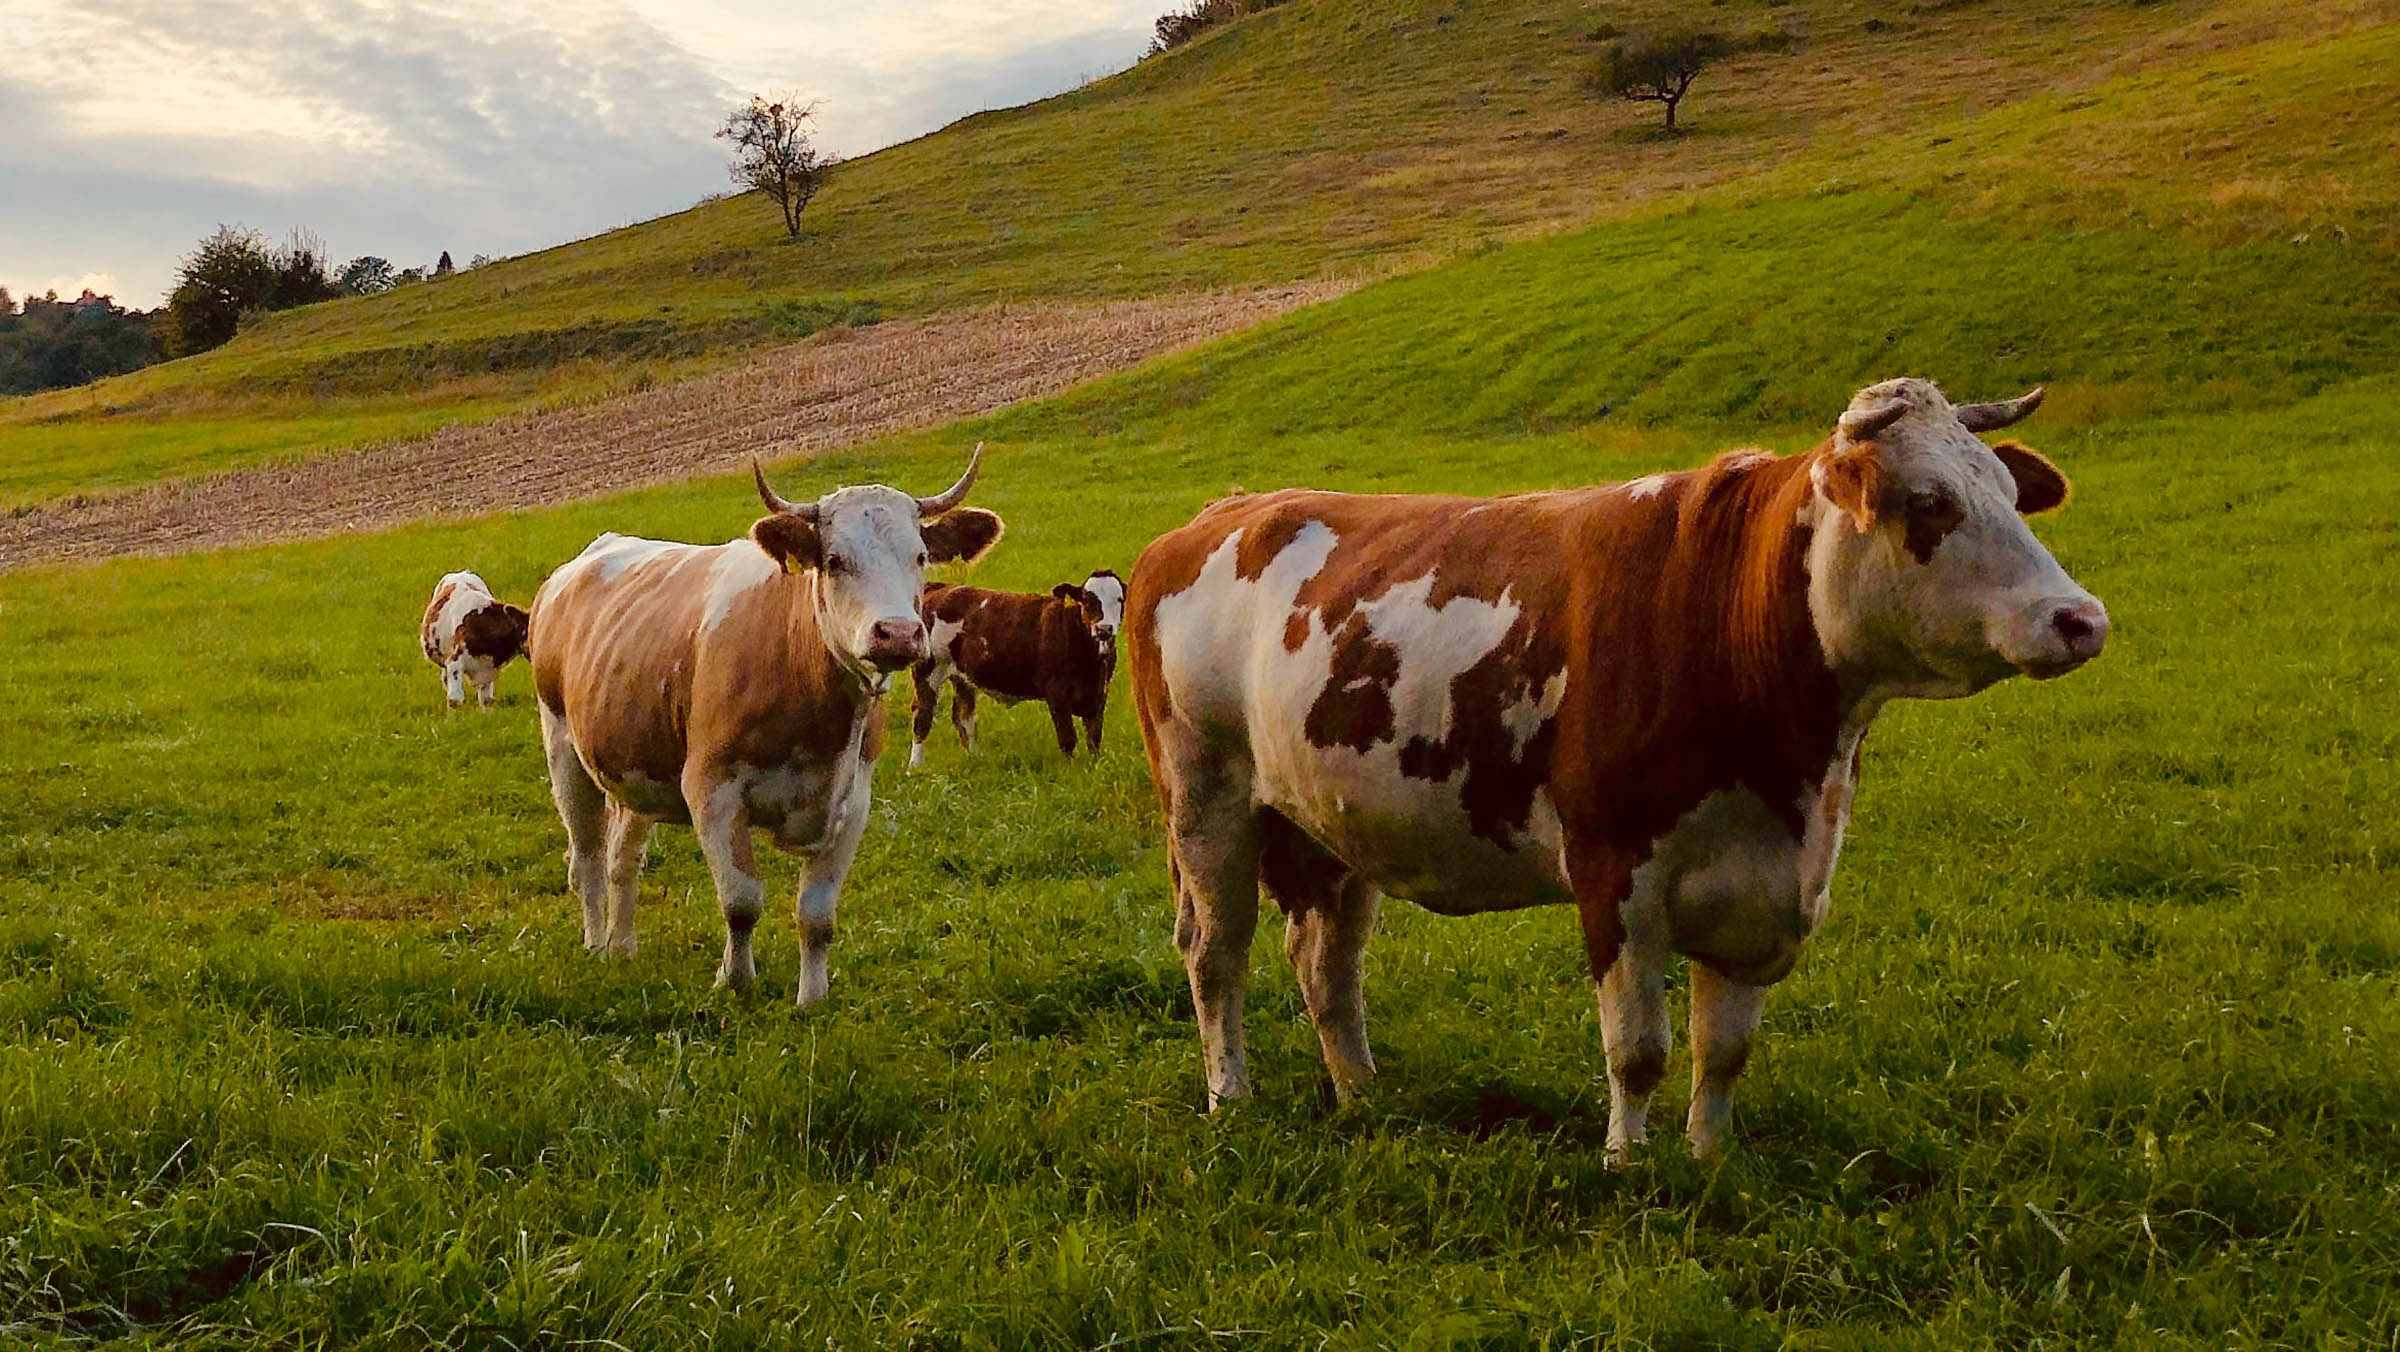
{"x": 2059, "y": 635}
{"x": 893, "y": 644}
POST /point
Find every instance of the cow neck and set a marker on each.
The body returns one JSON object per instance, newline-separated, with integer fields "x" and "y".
{"x": 1737, "y": 688}
{"x": 811, "y": 656}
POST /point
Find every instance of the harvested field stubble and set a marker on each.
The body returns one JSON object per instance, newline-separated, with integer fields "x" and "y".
{"x": 834, "y": 389}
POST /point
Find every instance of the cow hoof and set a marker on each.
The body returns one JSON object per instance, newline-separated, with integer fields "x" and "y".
{"x": 739, "y": 982}
{"x": 620, "y": 946}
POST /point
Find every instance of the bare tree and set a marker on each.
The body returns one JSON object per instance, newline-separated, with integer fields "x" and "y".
{"x": 772, "y": 153}
{"x": 1659, "y": 69}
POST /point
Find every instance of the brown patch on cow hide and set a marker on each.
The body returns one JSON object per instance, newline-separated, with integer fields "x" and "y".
{"x": 1355, "y": 707}
{"x": 1931, "y": 516}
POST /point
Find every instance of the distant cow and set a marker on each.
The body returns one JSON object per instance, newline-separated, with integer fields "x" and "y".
{"x": 470, "y": 636}
{"x": 1060, "y": 649}
{"x": 1646, "y": 698}
{"x": 736, "y": 687}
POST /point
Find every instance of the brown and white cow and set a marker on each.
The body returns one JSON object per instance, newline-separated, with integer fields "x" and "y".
{"x": 736, "y": 687}
{"x": 1060, "y": 649}
{"x": 1645, "y": 698}
{"x": 470, "y": 635}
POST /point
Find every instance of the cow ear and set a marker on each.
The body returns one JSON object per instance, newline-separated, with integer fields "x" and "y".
{"x": 1068, "y": 591}
{"x": 2040, "y": 487}
{"x": 1853, "y": 481}
{"x": 964, "y": 535}
{"x": 518, "y": 617}
{"x": 788, "y": 540}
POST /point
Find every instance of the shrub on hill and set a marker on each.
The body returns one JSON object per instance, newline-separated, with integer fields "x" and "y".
{"x": 234, "y": 273}
{"x": 1177, "y": 27}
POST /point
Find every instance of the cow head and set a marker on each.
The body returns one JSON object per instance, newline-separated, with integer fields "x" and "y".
{"x": 865, "y": 549}
{"x": 1923, "y": 575}
{"x": 495, "y": 632}
{"x": 1109, "y": 590}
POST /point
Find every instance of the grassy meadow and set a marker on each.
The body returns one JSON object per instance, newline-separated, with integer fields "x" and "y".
{"x": 2100, "y": 1046}
{"x": 1351, "y": 137}
{"x": 298, "y": 1045}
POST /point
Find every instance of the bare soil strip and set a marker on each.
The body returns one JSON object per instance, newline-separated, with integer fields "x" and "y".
{"x": 834, "y": 389}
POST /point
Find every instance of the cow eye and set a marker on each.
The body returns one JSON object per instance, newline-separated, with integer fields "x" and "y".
{"x": 920, "y": 558}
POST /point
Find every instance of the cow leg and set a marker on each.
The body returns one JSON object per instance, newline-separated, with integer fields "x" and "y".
{"x": 1628, "y": 960}
{"x": 485, "y": 679}
{"x": 928, "y": 702}
{"x": 1638, "y": 1038}
{"x": 1331, "y": 915}
{"x": 1725, "y": 1015}
{"x": 628, "y": 841}
{"x": 722, "y": 822}
{"x": 821, "y": 888}
{"x": 454, "y": 681}
{"x": 1212, "y": 844}
{"x": 1091, "y": 729}
{"x": 962, "y": 711}
{"x": 1062, "y": 722}
{"x": 583, "y": 809}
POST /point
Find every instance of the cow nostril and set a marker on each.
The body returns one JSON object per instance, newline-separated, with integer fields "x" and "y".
{"x": 2071, "y": 626}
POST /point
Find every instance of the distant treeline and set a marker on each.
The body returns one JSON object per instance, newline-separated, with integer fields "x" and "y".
{"x": 47, "y": 342}
{"x": 228, "y": 281}
{"x": 1177, "y": 27}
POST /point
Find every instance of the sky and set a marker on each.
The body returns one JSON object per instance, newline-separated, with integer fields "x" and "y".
{"x": 129, "y": 129}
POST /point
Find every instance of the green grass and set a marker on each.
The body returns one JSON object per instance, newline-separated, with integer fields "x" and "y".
{"x": 297, "y": 1043}
{"x": 1345, "y": 136}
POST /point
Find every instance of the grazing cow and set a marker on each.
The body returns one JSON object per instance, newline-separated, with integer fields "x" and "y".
{"x": 470, "y": 636}
{"x": 1646, "y": 699}
{"x": 736, "y": 687}
{"x": 1060, "y": 649}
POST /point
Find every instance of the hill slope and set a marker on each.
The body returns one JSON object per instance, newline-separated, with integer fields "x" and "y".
{"x": 1326, "y": 134}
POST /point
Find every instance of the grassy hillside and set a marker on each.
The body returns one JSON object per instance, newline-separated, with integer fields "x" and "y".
{"x": 1325, "y": 134}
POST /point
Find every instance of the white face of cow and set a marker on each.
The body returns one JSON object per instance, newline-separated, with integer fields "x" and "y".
{"x": 1923, "y": 575}
{"x": 868, "y": 548}
{"x": 1109, "y": 590}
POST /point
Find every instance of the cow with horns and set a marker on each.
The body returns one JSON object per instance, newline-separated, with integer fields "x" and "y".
{"x": 737, "y": 687}
{"x": 1645, "y": 699}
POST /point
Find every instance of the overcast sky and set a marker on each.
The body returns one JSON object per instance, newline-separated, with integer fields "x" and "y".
{"x": 131, "y": 128}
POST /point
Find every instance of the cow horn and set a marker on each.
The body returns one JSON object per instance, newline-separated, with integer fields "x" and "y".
{"x": 1991, "y": 417}
{"x": 956, "y": 493}
{"x": 804, "y": 511}
{"x": 1861, "y": 424}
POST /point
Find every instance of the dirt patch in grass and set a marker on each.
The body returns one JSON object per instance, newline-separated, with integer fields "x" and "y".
{"x": 837, "y": 388}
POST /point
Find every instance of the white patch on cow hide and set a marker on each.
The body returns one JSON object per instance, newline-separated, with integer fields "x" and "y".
{"x": 612, "y": 553}
{"x": 740, "y": 567}
{"x": 1223, "y": 657}
{"x": 1647, "y": 487}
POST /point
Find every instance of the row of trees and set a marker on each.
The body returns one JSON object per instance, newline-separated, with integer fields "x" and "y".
{"x": 48, "y": 343}
{"x": 236, "y": 274}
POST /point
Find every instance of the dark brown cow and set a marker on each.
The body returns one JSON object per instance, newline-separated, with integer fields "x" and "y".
{"x": 1060, "y": 649}
{"x": 737, "y": 687}
{"x": 1646, "y": 699}
{"x": 470, "y": 635}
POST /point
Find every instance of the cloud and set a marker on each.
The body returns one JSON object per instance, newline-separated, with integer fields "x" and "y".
{"x": 406, "y": 127}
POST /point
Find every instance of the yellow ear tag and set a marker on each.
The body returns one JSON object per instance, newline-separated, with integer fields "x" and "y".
{"x": 786, "y": 563}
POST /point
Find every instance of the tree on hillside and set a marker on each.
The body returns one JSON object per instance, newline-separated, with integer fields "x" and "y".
{"x": 366, "y": 275}
{"x": 443, "y": 267}
{"x": 773, "y": 155}
{"x": 235, "y": 272}
{"x": 1659, "y": 68}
